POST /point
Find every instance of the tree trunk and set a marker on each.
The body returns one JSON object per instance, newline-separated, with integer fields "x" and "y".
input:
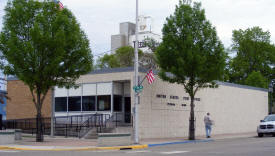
{"x": 192, "y": 121}
{"x": 39, "y": 124}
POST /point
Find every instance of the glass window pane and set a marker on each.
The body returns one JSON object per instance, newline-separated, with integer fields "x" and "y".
{"x": 117, "y": 103}
{"x": 61, "y": 104}
{"x": 74, "y": 103}
{"x": 88, "y": 103}
{"x": 104, "y": 103}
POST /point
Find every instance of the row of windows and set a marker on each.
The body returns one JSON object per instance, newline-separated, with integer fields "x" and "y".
{"x": 176, "y": 97}
{"x": 64, "y": 104}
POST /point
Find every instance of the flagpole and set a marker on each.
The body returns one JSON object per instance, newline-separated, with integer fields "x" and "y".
{"x": 136, "y": 137}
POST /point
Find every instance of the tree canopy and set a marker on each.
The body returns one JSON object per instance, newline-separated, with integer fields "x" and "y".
{"x": 191, "y": 52}
{"x": 44, "y": 47}
{"x": 148, "y": 59}
{"x": 122, "y": 57}
{"x": 256, "y": 79}
{"x": 254, "y": 53}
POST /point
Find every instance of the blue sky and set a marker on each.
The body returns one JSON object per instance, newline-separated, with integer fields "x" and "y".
{"x": 100, "y": 18}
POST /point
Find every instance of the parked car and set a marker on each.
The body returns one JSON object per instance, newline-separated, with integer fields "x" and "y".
{"x": 267, "y": 126}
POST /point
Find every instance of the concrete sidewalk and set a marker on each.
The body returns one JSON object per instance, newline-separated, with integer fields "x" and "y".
{"x": 28, "y": 140}
{"x": 71, "y": 144}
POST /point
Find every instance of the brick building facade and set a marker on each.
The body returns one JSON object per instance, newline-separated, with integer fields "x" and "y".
{"x": 21, "y": 105}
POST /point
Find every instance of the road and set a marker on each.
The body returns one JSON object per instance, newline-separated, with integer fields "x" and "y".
{"x": 252, "y": 146}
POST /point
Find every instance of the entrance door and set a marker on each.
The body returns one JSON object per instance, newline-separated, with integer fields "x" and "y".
{"x": 127, "y": 108}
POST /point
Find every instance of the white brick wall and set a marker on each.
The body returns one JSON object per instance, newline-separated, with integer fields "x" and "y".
{"x": 234, "y": 109}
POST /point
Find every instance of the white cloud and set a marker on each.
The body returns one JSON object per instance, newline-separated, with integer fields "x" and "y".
{"x": 100, "y": 18}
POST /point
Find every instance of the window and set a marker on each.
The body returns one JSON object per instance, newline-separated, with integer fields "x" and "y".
{"x": 183, "y": 105}
{"x": 104, "y": 103}
{"x": 74, "y": 103}
{"x": 88, "y": 103}
{"x": 117, "y": 103}
{"x": 61, "y": 104}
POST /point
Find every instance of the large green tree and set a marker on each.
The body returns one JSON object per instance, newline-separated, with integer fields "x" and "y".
{"x": 254, "y": 52}
{"x": 191, "y": 53}
{"x": 44, "y": 47}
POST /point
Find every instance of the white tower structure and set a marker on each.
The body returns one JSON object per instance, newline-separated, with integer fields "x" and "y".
{"x": 126, "y": 37}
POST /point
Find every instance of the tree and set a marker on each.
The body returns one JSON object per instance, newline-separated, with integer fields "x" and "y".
{"x": 44, "y": 47}
{"x": 191, "y": 53}
{"x": 254, "y": 52}
{"x": 148, "y": 59}
{"x": 151, "y": 43}
{"x": 256, "y": 79}
{"x": 107, "y": 61}
{"x": 123, "y": 57}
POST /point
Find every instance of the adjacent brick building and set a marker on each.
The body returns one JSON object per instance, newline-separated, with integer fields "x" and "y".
{"x": 21, "y": 105}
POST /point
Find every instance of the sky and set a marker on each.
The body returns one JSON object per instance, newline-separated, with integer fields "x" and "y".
{"x": 100, "y": 18}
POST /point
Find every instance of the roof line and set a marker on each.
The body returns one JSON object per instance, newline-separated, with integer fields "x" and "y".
{"x": 143, "y": 70}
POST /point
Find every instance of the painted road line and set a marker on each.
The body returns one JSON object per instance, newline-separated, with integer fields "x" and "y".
{"x": 133, "y": 152}
{"x": 180, "y": 142}
{"x": 174, "y": 152}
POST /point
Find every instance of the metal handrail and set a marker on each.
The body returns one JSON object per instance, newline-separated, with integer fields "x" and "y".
{"x": 96, "y": 121}
{"x": 76, "y": 125}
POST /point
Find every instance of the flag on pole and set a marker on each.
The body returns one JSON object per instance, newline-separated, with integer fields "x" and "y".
{"x": 61, "y": 6}
{"x": 150, "y": 76}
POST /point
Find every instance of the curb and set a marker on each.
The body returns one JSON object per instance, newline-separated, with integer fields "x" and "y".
{"x": 180, "y": 142}
{"x": 103, "y": 148}
{"x": 76, "y": 149}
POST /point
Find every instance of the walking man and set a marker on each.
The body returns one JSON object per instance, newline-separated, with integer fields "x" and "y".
{"x": 208, "y": 125}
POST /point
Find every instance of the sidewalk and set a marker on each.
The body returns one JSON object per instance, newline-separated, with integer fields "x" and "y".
{"x": 57, "y": 141}
{"x": 64, "y": 144}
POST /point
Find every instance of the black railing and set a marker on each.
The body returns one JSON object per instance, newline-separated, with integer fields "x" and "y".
{"x": 75, "y": 126}
{"x": 64, "y": 125}
{"x": 98, "y": 121}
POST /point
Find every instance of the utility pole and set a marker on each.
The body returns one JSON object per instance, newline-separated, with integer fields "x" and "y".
{"x": 136, "y": 79}
{"x": 270, "y": 96}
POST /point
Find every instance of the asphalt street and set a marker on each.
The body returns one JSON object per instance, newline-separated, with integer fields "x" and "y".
{"x": 252, "y": 146}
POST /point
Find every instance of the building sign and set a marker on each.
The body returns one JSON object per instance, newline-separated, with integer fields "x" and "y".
{"x": 140, "y": 44}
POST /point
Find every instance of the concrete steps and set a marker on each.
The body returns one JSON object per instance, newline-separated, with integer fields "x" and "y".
{"x": 92, "y": 134}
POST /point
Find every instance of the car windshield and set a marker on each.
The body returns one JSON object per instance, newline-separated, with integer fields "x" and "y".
{"x": 269, "y": 118}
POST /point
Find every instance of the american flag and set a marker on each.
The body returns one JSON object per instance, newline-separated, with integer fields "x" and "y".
{"x": 61, "y": 6}
{"x": 150, "y": 77}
